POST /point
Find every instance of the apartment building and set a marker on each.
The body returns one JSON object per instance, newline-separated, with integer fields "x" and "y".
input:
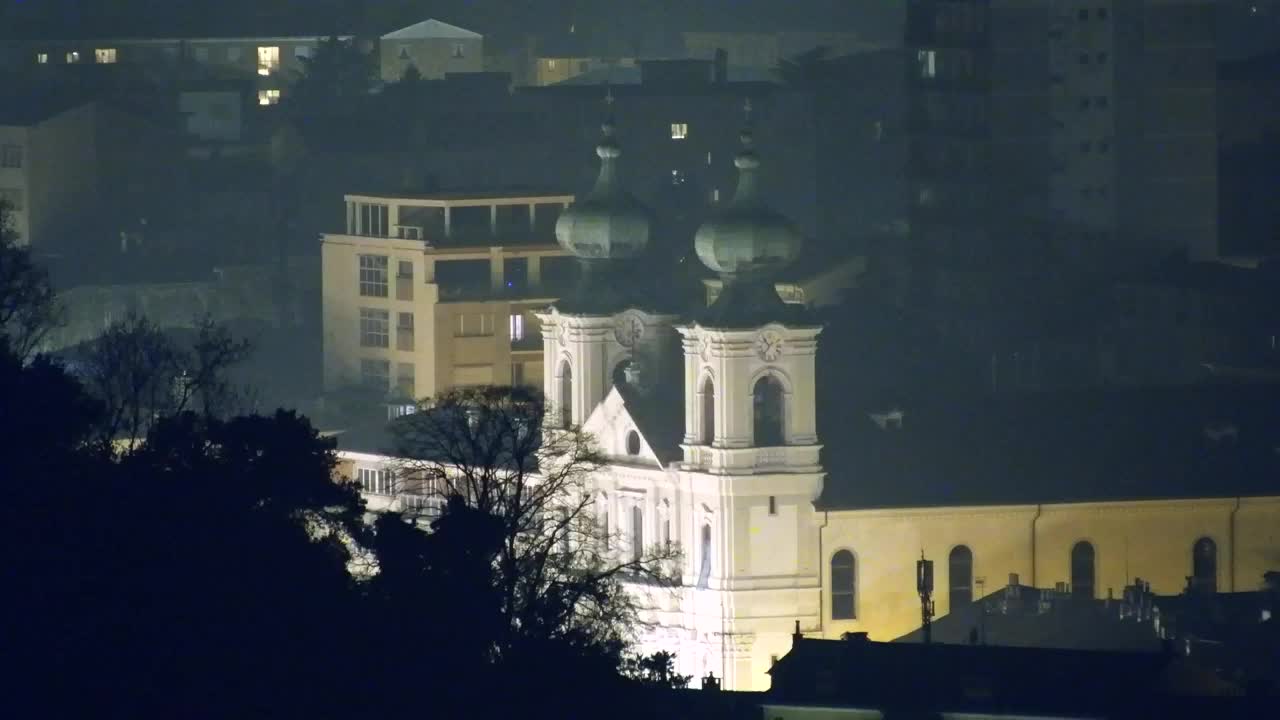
{"x": 433, "y": 47}
{"x": 426, "y": 292}
{"x": 1070, "y": 129}
{"x": 48, "y": 169}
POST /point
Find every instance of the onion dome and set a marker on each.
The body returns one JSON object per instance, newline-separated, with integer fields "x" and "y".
{"x": 609, "y": 223}
{"x": 747, "y": 240}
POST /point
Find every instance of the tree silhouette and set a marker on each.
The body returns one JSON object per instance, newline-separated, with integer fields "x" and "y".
{"x": 28, "y": 307}
{"x": 336, "y": 75}
{"x": 559, "y": 576}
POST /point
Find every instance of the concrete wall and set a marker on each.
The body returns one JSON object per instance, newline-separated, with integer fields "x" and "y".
{"x": 434, "y": 57}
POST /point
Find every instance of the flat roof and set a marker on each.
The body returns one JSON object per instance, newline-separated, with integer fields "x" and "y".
{"x": 464, "y": 198}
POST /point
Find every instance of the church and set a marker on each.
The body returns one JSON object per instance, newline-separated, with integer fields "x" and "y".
{"x": 709, "y": 419}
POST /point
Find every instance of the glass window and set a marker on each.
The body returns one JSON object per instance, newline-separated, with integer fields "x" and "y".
{"x": 474, "y": 325}
{"x": 405, "y": 379}
{"x": 73, "y": 57}
{"x": 566, "y": 395}
{"x": 375, "y": 328}
{"x": 104, "y": 56}
{"x": 843, "y": 586}
{"x": 11, "y": 156}
{"x": 268, "y": 59}
{"x": 42, "y": 58}
{"x": 633, "y": 443}
{"x": 773, "y": 505}
{"x": 708, "y": 412}
{"x": 515, "y": 326}
{"x": 458, "y": 50}
{"x": 1082, "y": 570}
{"x": 375, "y": 481}
{"x": 927, "y": 62}
{"x": 704, "y": 574}
{"x": 680, "y": 131}
{"x": 268, "y": 97}
{"x": 1204, "y": 565}
{"x": 375, "y": 374}
{"x": 767, "y": 412}
{"x": 960, "y": 577}
{"x": 373, "y": 275}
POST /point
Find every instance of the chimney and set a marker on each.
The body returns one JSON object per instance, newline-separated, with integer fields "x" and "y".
{"x": 1013, "y": 580}
{"x": 796, "y": 636}
{"x": 721, "y": 67}
{"x": 711, "y": 683}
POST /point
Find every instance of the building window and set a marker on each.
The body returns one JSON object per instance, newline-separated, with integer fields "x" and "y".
{"x": 844, "y": 585}
{"x": 767, "y": 412}
{"x": 12, "y": 198}
{"x": 404, "y": 331}
{"x": 375, "y": 328}
{"x": 405, "y": 379}
{"x": 104, "y": 56}
{"x": 458, "y": 50}
{"x": 637, "y": 533}
{"x": 42, "y": 58}
{"x": 375, "y": 374}
{"x": 566, "y": 395}
{"x": 515, "y": 326}
{"x": 633, "y": 443}
{"x": 960, "y": 577}
{"x": 373, "y": 276}
{"x": 773, "y": 505}
{"x": 73, "y": 57}
{"x": 680, "y": 131}
{"x": 201, "y": 54}
{"x": 704, "y": 574}
{"x": 268, "y": 97}
{"x": 474, "y": 325}
{"x": 302, "y": 52}
{"x": 10, "y": 156}
{"x": 233, "y": 53}
{"x": 1204, "y": 565}
{"x": 678, "y": 178}
{"x": 708, "y": 412}
{"x": 268, "y": 59}
{"x": 715, "y": 195}
{"x": 375, "y": 481}
{"x": 927, "y": 62}
{"x": 1082, "y": 570}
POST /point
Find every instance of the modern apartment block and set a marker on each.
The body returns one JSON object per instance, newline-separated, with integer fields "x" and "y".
{"x": 48, "y": 169}
{"x": 426, "y": 292}
{"x": 1045, "y": 131}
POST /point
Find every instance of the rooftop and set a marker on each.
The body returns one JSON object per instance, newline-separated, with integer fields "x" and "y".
{"x": 452, "y": 198}
{"x": 432, "y": 28}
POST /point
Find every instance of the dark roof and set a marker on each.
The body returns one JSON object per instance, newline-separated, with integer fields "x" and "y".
{"x": 27, "y": 109}
{"x": 959, "y": 678}
{"x": 659, "y": 416}
{"x": 1078, "y": 446}
{"x": 1021, "y": 616}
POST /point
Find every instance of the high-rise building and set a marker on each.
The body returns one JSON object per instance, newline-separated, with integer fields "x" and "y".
{"x": 1046, "y": 131}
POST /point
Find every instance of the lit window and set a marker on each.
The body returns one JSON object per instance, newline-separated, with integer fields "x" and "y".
{"x": 42, "y": 58}
{"x": 73, "y": 57}
{"x": 678, "y": 177}
{"x": 515, "y": 325}
{"x": 10, "y": 156}
{"x": 715, "y": 195}
{"x": 268, "y": 97}
{"x": 928, "y": 63}
{"x": 680, "y": 131}
{"x": 104, "y": 56}
{"x": 373, "y": 275}
{"x": 268, "y": 60}
{"x": 551, "y": 64}
{"x": 708, "y": 157}
{"x": 457, "y": 50}
{"x": 375, "y": 328}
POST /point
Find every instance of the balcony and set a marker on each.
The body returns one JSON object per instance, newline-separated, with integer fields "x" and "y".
{"x": 747, "y": 461}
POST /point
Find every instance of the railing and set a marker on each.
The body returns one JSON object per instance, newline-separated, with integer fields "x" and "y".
{"x": 410, "y": 232}
{"x": 404, "y": 339}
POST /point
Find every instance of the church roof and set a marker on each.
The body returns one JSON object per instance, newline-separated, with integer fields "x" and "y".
{"x": 659, "y": 418}
{"x": 432, "y": 28}
{"x": 1082, "y": 446}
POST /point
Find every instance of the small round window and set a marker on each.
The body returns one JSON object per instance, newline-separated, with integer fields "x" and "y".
{"x": 633, "y": 443}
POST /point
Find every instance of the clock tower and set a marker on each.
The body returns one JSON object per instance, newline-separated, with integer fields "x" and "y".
{"x": 606, "y": 328}
{"x": 750, "y": 447}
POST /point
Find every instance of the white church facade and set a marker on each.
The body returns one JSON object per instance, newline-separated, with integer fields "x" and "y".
{"x": 710, "y": 422}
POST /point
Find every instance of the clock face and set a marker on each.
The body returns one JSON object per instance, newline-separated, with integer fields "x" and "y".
{"x": 628, "y": 330}
{"x": 769, "y": 346}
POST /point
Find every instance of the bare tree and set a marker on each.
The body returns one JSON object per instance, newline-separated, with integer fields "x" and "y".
{"x": 140, "y": 374}
{"x": 558, "y": 572}
{"x": 28, "y": 307}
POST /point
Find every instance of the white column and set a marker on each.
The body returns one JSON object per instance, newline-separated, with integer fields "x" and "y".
{"x": 533, "y": 216}
{"x": 448, "y": 222}
{"x": 493, "y": 220}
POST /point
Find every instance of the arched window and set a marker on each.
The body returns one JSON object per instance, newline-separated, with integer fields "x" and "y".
{"x": 708, "y": 434}
{"x": 844, "y": 584}
{"x": 1204, "y": 565}
{"x": 767, "y": 407}
{"x": 566, "y": 395}
{"x": 1082, "y": 570}
{"x": 704, "y": 575}
{"x": 637, "y": 533}
{"x": 633, "y": 443}
{"x": 960, "y": 577}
